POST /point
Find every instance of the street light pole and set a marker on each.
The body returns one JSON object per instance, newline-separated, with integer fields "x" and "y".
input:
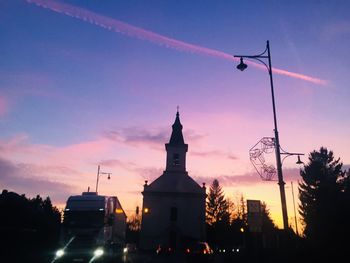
{"x": 98, "y": 176}
{"x": 281, "y": 183}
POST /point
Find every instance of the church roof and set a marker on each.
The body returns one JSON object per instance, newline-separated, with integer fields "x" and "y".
{"x": 176, "y": 137}
{"x": 171, "y": 183}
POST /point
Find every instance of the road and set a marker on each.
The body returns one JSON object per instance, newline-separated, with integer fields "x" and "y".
{"x": 177, "y": 258}
{"x": 270, "y": 256}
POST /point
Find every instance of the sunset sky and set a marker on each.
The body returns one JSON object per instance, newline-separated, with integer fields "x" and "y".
{"x": 89, "y": 82}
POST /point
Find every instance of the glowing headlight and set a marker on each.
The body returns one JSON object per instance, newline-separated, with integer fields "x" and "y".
{"x": 59, "y": 253}
{"x": 98, "y": 252}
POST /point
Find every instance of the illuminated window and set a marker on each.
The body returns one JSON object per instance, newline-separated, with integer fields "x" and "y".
{"x": 173, "y": 214}
{"x": 176, "y": 159}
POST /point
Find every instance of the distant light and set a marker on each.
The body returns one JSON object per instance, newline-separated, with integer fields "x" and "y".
{"x": 125, "y": 250}
{"x": 59, "y": 253}
{"x": 241, "y": 229}
{"x": 146, "y": 210}
{"x": 119, "y": 211}
{"x": 101, "y": 209}
{"x": 98, "y": 252}
{"x": 237, "y": 250}
{"x": 67, "y": 209}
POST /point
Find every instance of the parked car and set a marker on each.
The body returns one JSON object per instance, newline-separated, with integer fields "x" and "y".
{"x": 199, "y": 252}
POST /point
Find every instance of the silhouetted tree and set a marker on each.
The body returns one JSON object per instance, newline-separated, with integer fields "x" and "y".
{"x": 218, "y": 215}
{"x": 267, "y": 223}
{"x": 217, "y": 208}
{"x": 241, "y": 212}
{"x": 324, "y": 200}
{"x": 28, "y": 226}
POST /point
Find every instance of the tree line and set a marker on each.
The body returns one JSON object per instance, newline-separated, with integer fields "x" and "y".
{"x": 227, "y": 222}
{"x": 29, "y": 227}
{"x": 324, "y": 206}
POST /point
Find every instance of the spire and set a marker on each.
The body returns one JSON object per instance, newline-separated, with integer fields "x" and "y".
{"x": 176, "y": 135}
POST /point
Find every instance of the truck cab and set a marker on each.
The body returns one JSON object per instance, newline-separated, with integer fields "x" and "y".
{"x": 93, "y": 229}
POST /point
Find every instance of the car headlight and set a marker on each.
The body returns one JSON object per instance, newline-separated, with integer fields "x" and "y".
{"x": 98, "y": 252}
{"x": 59, "y": 253}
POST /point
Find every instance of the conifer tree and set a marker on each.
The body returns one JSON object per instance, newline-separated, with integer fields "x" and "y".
{"x": 267, "y": 222}
{"x": 320, "y": 194}
{"x": 217, "y": 207}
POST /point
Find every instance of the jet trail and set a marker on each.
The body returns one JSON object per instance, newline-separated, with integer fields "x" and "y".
{"x": 137, "y": 32}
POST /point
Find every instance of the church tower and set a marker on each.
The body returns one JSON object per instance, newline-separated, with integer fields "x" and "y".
{"x": 174, "y": 204}
{"x": 176, "y": 149}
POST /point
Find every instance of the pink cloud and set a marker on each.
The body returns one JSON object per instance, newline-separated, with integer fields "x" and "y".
{"x": 115, "y": 163}
{"x": 229, "y": 180}
{"x": 19, "y": 145}
{"x": 140, "y": 136}
{"x": 47, "y": 169}
{"x": 20, "y": 148}
{"x": 213, "y": 154}
{"x": 29, "y": 179}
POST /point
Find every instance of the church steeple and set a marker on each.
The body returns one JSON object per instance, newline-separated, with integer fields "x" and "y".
{"x": 176, "y": 135}
{"x": 176, "y": 148}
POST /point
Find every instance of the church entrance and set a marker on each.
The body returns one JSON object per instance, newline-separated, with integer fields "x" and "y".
{"x": 172, "y": 239}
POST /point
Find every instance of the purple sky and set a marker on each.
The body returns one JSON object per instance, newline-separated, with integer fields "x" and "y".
{"x": 84, "y": 83}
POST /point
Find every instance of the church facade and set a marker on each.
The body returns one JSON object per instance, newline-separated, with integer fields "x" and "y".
{"x": 174, "y": 204}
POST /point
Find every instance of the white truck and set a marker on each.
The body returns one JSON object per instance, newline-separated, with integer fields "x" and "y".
{"x": 93, "y": 229}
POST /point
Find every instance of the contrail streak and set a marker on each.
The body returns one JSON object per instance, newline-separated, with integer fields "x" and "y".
{"x": 136, "y": 32}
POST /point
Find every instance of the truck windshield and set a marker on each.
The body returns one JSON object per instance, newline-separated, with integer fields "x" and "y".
{"x": 83, "y": 218}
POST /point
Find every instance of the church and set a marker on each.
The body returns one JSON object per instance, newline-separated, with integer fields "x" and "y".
{"x": 173, "y": 210}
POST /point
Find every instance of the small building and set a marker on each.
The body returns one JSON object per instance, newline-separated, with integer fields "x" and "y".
{"x": 174, "y": 204}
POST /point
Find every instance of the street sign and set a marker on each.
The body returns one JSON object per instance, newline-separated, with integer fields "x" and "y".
{"x": 254, "y": 206}
{"x": 254, "y": 215}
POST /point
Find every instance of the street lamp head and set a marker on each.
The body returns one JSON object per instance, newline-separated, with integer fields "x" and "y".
{"x": 242, "y": 66}
{"x": 299, "y": 161}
